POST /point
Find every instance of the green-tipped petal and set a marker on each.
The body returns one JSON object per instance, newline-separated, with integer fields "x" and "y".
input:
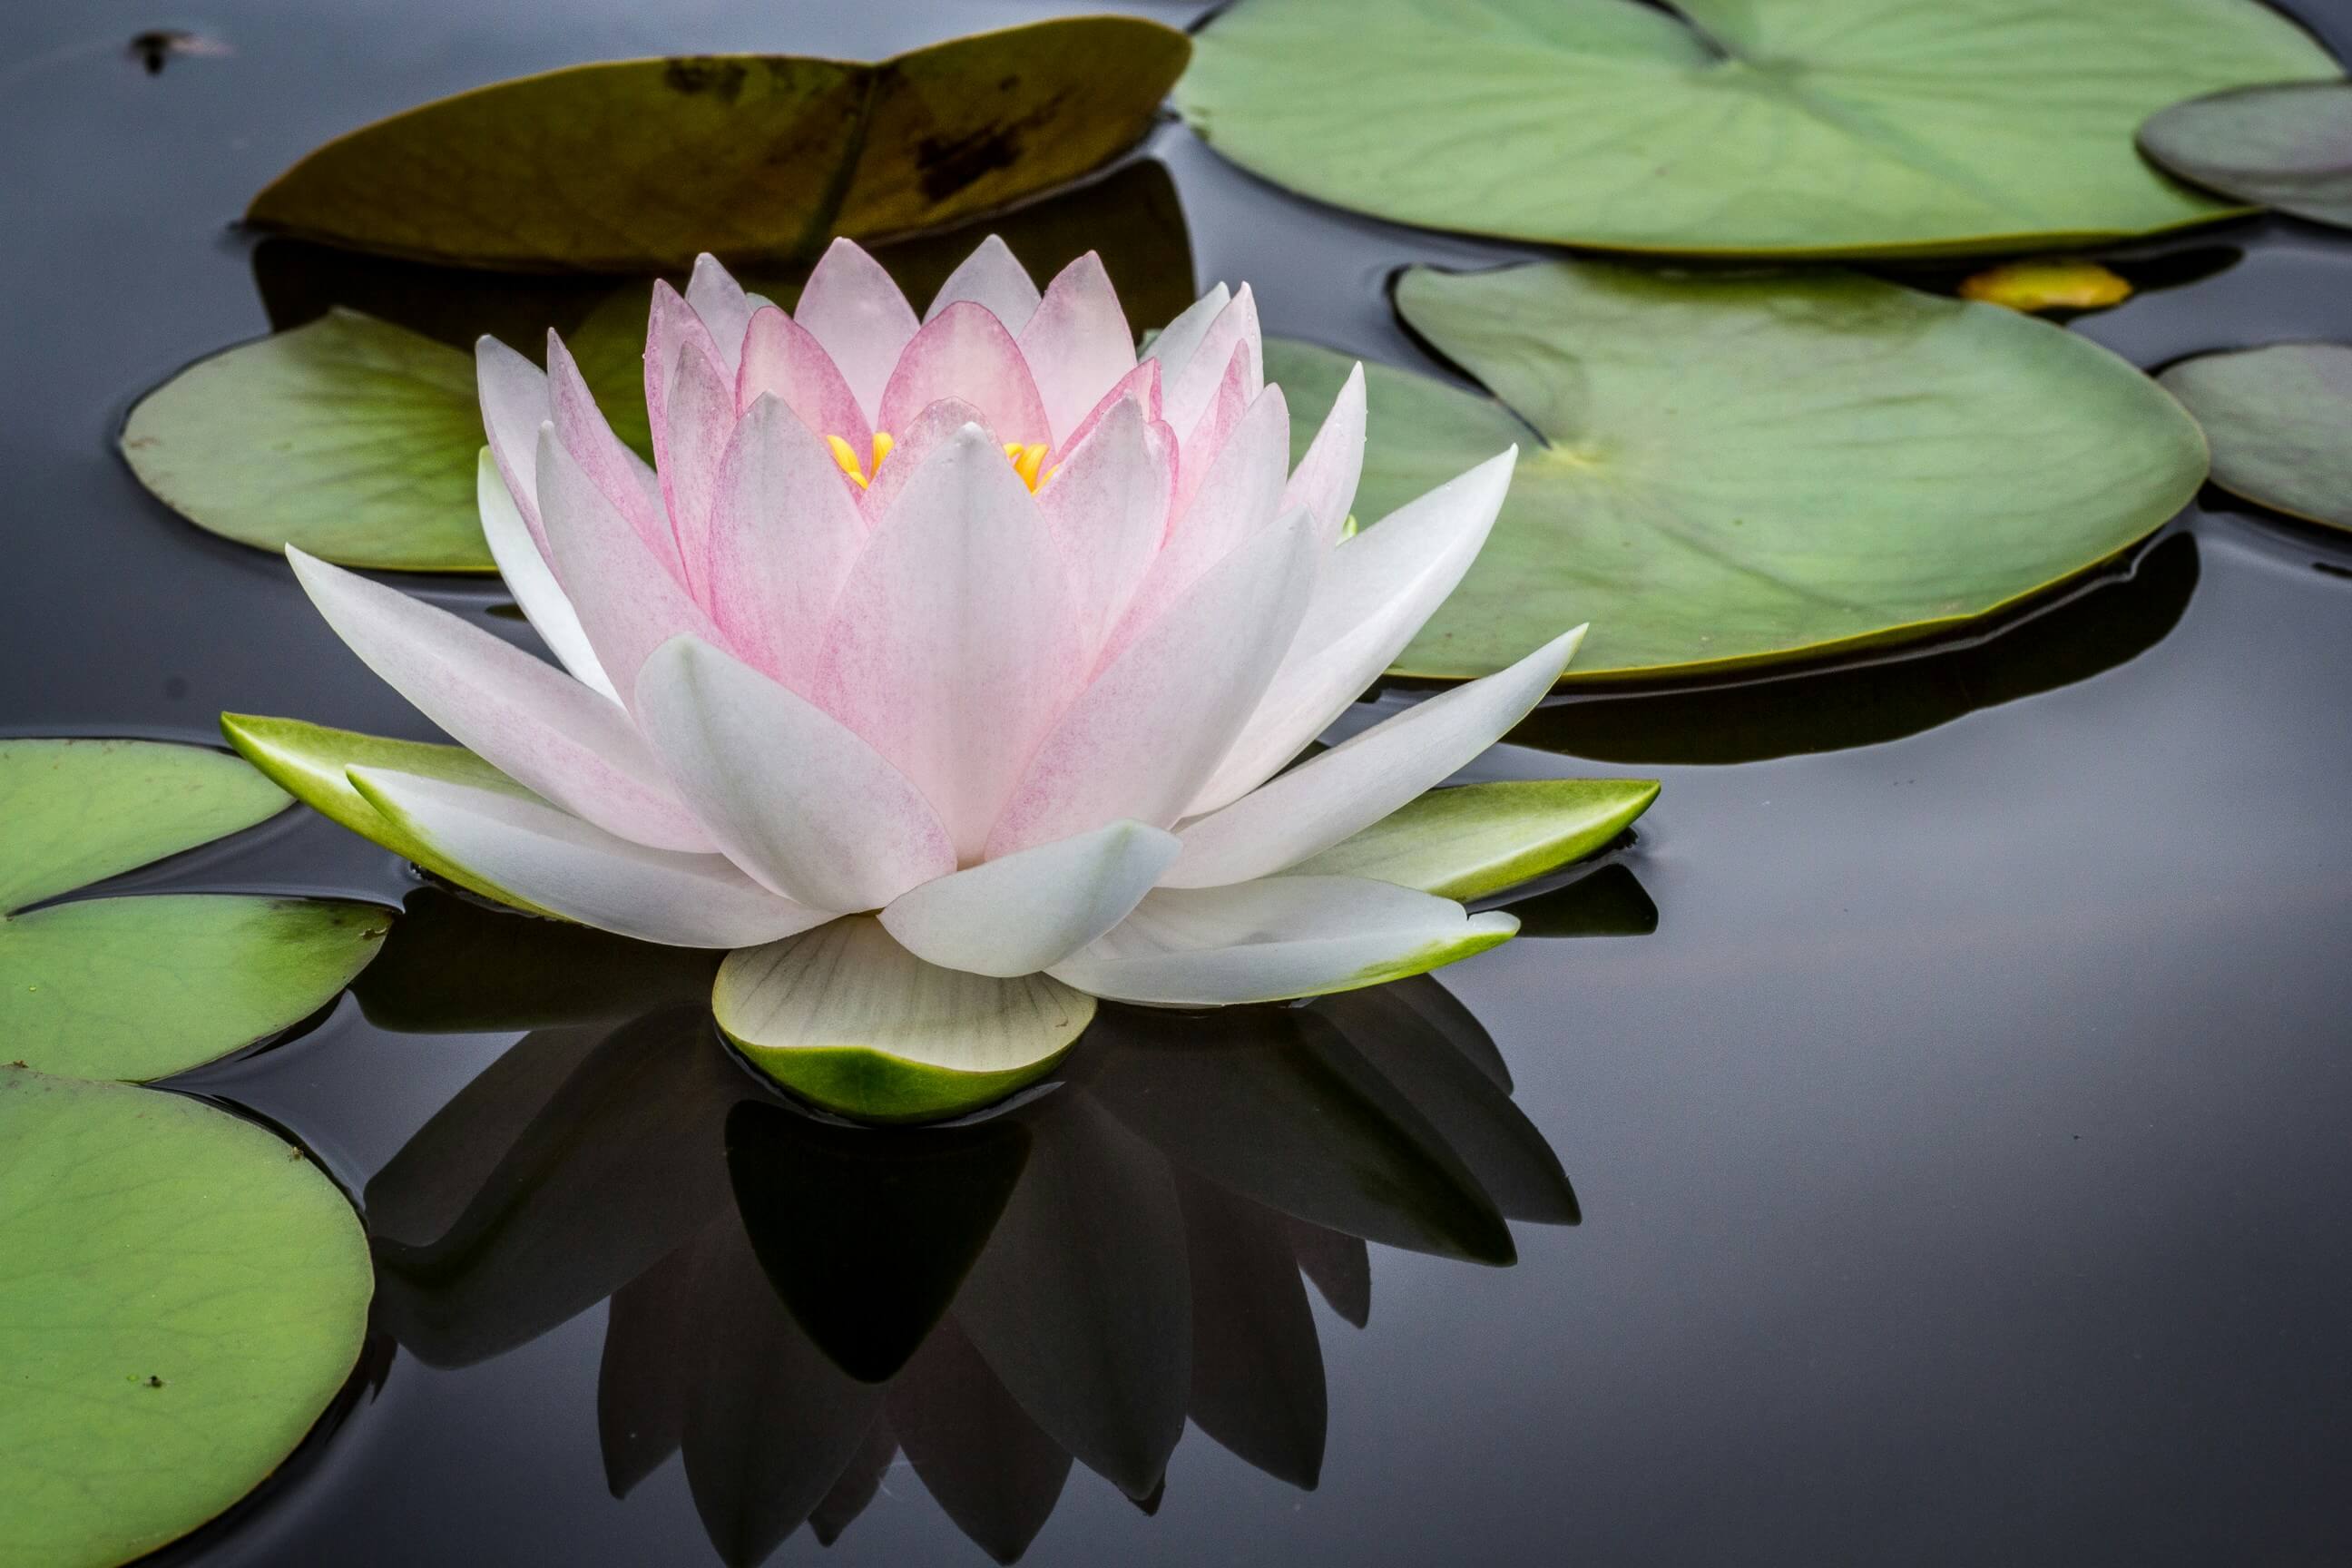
{"x": 1475, "y": 839}
{"x": 846, "y": 1019}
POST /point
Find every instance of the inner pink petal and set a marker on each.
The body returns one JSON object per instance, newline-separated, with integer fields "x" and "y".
{"x": 964, "y": 353}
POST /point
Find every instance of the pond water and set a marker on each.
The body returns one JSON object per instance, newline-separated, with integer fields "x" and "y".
{"x": 1952, "y": 1073}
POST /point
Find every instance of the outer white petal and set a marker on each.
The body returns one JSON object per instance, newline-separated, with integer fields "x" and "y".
{"x": 1188, "y": 389}
{"x": 1141, "y": 737}
{"x": 723, "y": 306}
{"x": 514, "y": 406}
{"x": 991, "y": 277}
{"x": 1270, "y": 940}
{"x": 857, "y": 314}
{"x": 1376, "y": 591}
{"x": 1354, "y": 785}
{"x": 522, "y": 715}
{"x": 1176, "y": 342}
{"x": 573, "y": 869}
{"x": 530, "y": 580}
{"x": 1028, "y": 912}
{"x": 1325, "y": 480}
{"x": 791, "y": 795}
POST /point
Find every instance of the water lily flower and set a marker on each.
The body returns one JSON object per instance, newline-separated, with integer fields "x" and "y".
{"x": 938, "y": 662}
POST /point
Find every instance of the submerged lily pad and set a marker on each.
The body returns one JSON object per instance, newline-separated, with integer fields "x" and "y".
{"x": 628, "y": 165}
{"x": 142, "y": 987}
{"x": 1784, "y": 127}
{"x": 1477, "y": 840}
{"x": 2286, "y": 145}
{"x": 1720, "y": 472}
{"x": 2279, "y": 419}
{"x": 2039, "y": 285}
{"x": 846, "y": 1019}
{"x": 181, "y": 1296}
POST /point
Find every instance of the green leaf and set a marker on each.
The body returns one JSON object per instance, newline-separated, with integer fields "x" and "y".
{"x": 350, "y": 438}
{"x": 1782, "y": 127}
{"x": 846, "y": 1019}
{"x": 1476, "y": 840}
{"x": 629, "y": 165}
{"x": 308, "y": 761}
{"x": 2286, "y": 145}
{"x": 80, "y": 811}
{"x": 1725, "y": 472}
{"x": 141, "y": 988}
{"x": 2280, "y": 420}
{"x": 181, "y": 1296}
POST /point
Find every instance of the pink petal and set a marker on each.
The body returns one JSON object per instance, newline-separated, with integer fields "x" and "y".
{"x": 1142, "y": 384}
{"x": 964, "y": 353}
{"x": 1139, "y": 741}
{"x": 619, "y": 472}
{"x": 780, "y": 360}
{"x": 952, "y": 647}
{"x": 1107, "y": 509}
{"x": 939, "y": 422}
{"x": 699, "y": 418}
{"x": 992, "y": 278}
{"x": 1191, "y": 384}
{"x": 1204, "y": 440}
{"x": 1176, "y": 342}
{"x": 724, "y": 308}
{"x": 628, "y": 604}
{"x": 1325, "y": 480}
{"x": 783, "y": 534}
{"x": 670, "y": 322}
{"x": 1077, "y": 342}
{"x": 853, "y": 309}
{"x": 514, "y": 406}
{"x": 795, "y": 798}
{"x": 519, "y": 713}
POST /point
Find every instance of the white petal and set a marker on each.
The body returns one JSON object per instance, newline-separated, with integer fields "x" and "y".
{"x": 855, "y": 312}
{"x": 530, "y": 580}
{"x": 698, "y": 419}
{"x": 1029, "y": 910}
{"x": 559, "y": 863}
{"x": 1175, "y": 345}
{"x": 625, "y": 477}
{"x": 785, "y": 531}
{"x": 1107, "y": 509}
{"x": 1189, "y": 388}
{"x": 1354, "y": 785}
{"x": 1078, "y": 344}
{"x": 1376, "y": 591}
{"x": 791, "y": 795}
{"x": 1325, "y": 480}
{"x": 1140, "y": 738}
{"x": 724, "y": 308}
{"x": 1277, "y": 938}
{"x": 991, "y": 277}
{"x": 514, "y": 406}
{"x": 521, "y": 715}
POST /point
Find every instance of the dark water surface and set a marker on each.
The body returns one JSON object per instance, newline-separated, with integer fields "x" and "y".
{"x": 1954, "y": 1076}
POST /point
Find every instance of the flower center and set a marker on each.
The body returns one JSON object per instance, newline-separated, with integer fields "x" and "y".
{"x": 1027, "y": 459}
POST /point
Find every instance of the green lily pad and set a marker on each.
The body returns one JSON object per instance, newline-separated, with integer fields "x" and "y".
{"x": 182, "y": 1295}
{"x": 1476, "y": 840}
{"x": 143, "y": 987}
{"x": 351, "y": 438}
{"x": 847, "y": 1019}
{"x": 630, "y": 165}
{"x": 2280, "y": 420}
{"x": 1781, "y": 126}
{"x": 1721, "y": 472}
{"x": 2286, "y": 145}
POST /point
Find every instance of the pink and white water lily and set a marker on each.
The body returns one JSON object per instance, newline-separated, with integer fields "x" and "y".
{"x": 976, "y": 630}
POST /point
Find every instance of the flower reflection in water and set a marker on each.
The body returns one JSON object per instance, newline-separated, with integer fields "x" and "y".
{"x": 797, "y": 1302}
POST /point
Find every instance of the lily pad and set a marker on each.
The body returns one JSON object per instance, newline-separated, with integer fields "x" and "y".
{"x": 2286, "y": 145}
{"x": 2279, "y": 419}
{"x": 142, "y": 987}
{"x": 846, "y": 1019}
{"x": 182, "y": 1295}
{"x": 1782, "y": 127}
{"x": 1476, "y": 840}
{"x": 630, "y": 165}
{"x": 1722, "y": 472}
{"x": 2041, "y": 286}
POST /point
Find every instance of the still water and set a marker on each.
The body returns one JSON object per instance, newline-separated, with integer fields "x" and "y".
{"x": 1950, "y": 1077}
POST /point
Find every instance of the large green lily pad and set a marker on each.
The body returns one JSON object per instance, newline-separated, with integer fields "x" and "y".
{"x": 2286, "y": 145}
{"x": 1723, "y": 471}
{"x": 181, "y": 1296}
{"x": 2279, "y": 419}
{"x": 1781, "y": 126}
{"x": 142, "y": 987}
{"x": 630, "y": 165}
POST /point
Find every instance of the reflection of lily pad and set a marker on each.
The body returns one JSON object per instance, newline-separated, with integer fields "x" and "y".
{"x": 1790, "y": 127}
{"x": 142, "y": 987}
{"x": 629, "y": 165}
{"x": 181, "y": 1295}
{"x": 1725, "y": 472}
{"x": 2279, "y": 419}
{"x": 2286, "y": 145}
{"x": 845, "y": 1017}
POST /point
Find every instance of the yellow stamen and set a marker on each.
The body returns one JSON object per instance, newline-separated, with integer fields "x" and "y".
{"x": 883, "y": 442}
{"x": 846, "y": 455}
{"x": 1027, "y": 461}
